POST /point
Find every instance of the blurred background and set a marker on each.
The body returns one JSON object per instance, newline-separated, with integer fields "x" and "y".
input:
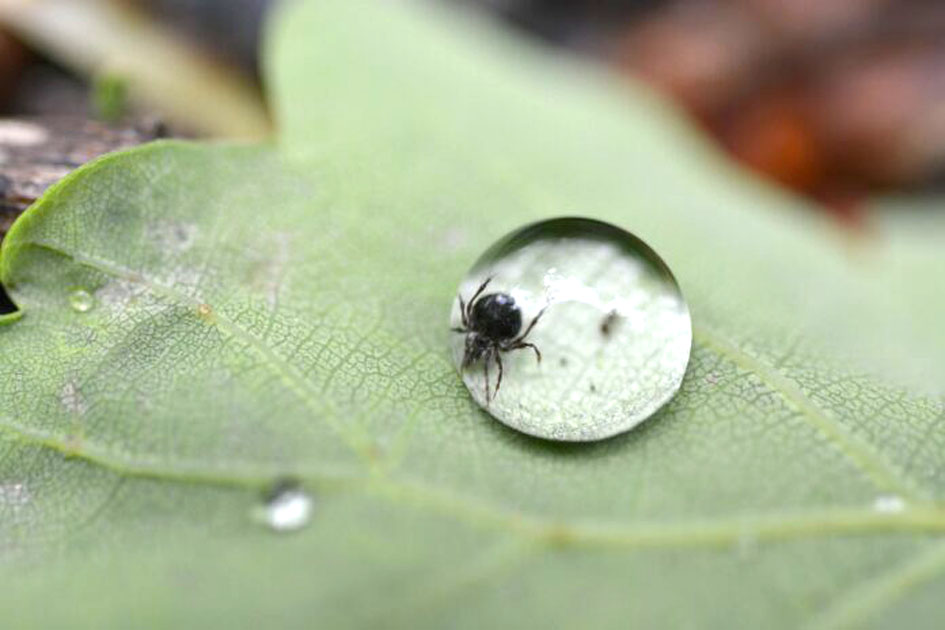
{"x": 838, "y": 100}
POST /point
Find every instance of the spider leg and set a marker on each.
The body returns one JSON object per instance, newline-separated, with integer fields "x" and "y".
{"x": 521, "y": 337}
{"x": 472, "y": 300}
{"x": 498, "y": 383}
{"x": 516, "y": 345}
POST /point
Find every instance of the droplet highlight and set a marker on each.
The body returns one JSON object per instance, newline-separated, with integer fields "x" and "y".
{"x": 889, "y": 504}
{"x": 286, "y": 507}
{"x": 583, "y": 321}
{"x": 81, "y": 301}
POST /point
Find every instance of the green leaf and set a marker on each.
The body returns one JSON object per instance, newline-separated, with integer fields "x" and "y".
{"x": 281, "y": 310}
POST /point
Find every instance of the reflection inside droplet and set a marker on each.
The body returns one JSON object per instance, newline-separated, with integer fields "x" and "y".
{"x": 601, "y": 310}
{"x": 81, "y": 301}
{"x": 286, "y": 507}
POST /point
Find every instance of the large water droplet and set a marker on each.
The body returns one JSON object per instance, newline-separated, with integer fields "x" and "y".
{"x": 81, "y": 301}
{"x": 609, "y": 320}
{"x": 286, "y": 507}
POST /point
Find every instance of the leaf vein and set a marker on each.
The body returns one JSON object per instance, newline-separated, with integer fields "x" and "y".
{"x": 295, "y": 382}
{"x": 864, "y": 456}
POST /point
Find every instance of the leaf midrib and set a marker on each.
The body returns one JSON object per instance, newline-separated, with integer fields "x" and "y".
{"x": 703, "y": 532}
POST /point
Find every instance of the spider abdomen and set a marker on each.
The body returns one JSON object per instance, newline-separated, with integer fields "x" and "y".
{"x": 496, "y": 316}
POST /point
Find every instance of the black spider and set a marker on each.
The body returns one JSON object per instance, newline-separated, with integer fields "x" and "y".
{"x": 492, "y": 324}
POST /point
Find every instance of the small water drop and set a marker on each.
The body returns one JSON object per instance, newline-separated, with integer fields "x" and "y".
{"x": 573, "y": 288}
{"x": 286, "y": 507}
{"x": 889, "y": 504}
{"x": 81, "y": 301}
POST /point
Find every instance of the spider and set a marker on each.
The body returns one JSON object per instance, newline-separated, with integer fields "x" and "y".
{"x": 492, "y": 324}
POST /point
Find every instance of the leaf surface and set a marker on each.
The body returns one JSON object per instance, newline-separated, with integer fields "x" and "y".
{"x": 281, "y": 310}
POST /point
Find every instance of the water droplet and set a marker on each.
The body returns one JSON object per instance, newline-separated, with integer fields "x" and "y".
{"x": 286, "y": 507}
{"x": 889, "y": 504}
{"x": 580, "y": 289}
{"x": 81, "y": 301}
